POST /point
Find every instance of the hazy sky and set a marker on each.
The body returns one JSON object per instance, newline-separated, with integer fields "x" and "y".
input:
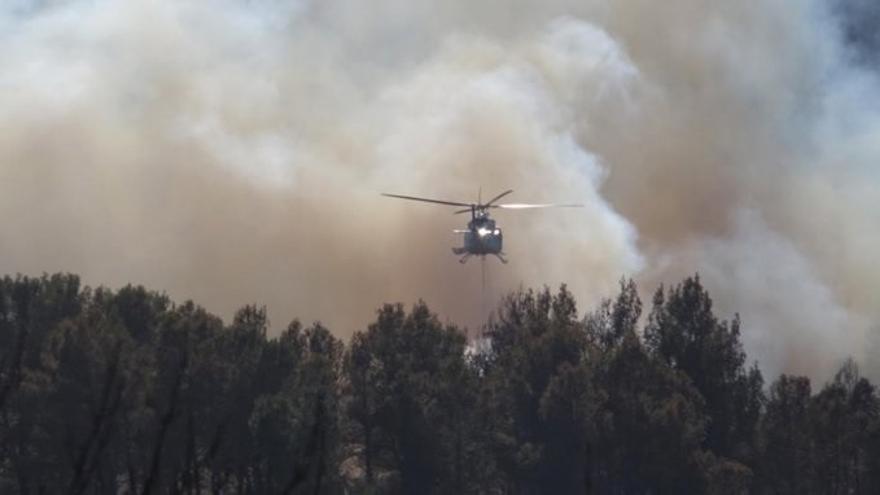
{"x": 233, "y": 151}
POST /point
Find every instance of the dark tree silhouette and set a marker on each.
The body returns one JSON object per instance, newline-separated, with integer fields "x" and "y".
{"x": 684, "y": 332}
{"x": 409, "y": 385}
{"x": 127, "y": 392}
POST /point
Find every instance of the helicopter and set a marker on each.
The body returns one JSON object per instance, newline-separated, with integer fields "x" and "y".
{"x": 482, "y": 236}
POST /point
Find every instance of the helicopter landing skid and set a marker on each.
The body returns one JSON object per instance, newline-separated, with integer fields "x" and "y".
{"x": 467, "y": 256}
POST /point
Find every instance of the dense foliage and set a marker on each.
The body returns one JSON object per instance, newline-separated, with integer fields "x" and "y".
{"x": 127, "y": 392}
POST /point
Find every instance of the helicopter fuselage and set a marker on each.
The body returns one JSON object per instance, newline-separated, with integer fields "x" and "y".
{"x": 482, "y": 237}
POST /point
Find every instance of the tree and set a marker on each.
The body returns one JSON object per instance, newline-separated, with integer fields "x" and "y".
{"x": 124, "y": 391}
{"x": 683, "y": 331}
{"x": 539, "y": 392}
{"x": 405, "y": 375}
{"x": 650, "y": 421}
{"x": 843, "y": 416}
{"x": 785, "y": 465}
{"x": 294, "y": 420}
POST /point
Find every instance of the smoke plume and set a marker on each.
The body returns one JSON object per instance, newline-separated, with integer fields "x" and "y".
{"x": 233, "y": 151}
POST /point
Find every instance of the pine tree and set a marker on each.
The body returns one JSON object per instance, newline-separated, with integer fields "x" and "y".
{"x": 683, "y": 331}
{"x": 540, "y": 393}
{"x": 408, "y": 389}
{"x": 650, "y": 422}
{"x": 785, "y": 465}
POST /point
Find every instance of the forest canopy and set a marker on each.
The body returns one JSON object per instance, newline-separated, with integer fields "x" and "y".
{"x": 126, "y": 391}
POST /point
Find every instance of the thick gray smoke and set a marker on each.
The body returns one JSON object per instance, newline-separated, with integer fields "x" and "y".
{"x": 233, "y": 151}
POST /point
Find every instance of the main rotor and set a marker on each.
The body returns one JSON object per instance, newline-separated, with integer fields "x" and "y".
{"x": 480, "y": 209}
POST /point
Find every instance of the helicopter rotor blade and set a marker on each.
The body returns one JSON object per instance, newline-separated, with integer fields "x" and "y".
{"x": 428, "y": 200}
{"x": 496, "y": 198}
{"x": 523, "y": 206}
